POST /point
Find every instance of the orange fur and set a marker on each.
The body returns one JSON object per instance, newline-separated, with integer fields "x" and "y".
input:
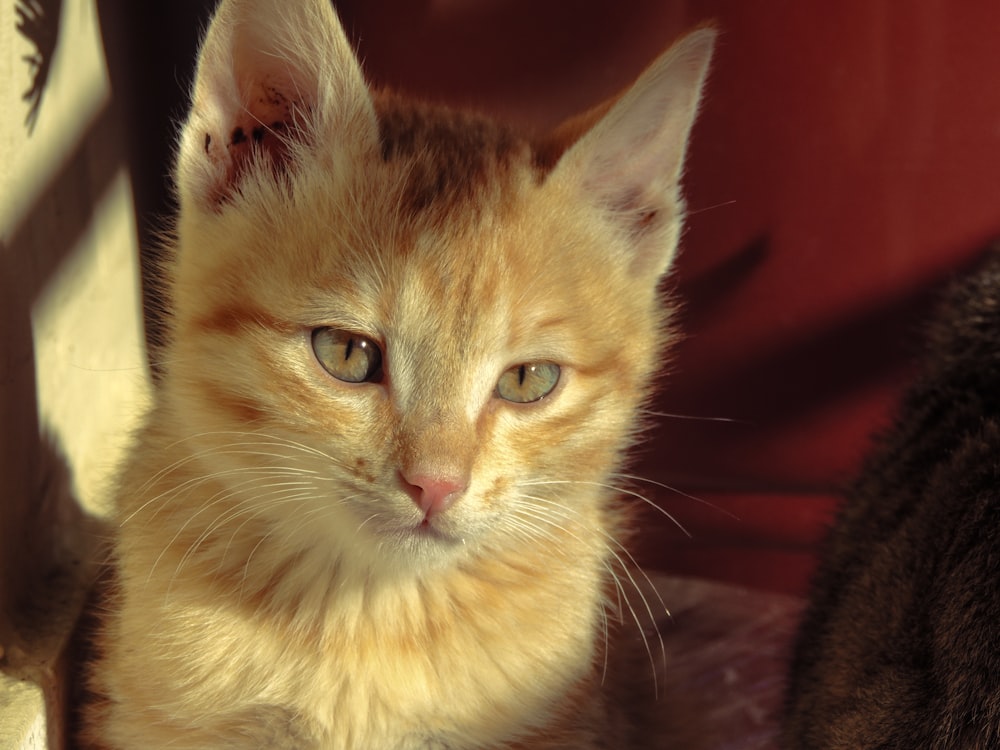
{"x": 279, "y": 587}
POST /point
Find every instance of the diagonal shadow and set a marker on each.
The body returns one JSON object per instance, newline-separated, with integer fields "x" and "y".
{"x": 784, "y": 385}
{"x": 38, "y": 22}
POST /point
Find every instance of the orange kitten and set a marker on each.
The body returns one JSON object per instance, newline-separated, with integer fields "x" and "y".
{"x": 373, "y": 506}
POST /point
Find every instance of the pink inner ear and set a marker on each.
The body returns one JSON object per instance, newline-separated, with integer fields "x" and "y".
{"x": 259, "y": 134}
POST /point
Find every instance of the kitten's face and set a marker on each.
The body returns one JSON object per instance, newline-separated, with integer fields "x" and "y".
{"x": 485, "y": 341}
{"x": 403, "y": 336}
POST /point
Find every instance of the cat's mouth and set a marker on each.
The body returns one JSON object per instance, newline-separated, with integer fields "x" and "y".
{"x": 429, "y": 529}
{"x": 426, "y": 531}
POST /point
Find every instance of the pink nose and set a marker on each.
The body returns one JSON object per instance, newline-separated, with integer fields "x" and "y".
{"x": 433, "y": 494}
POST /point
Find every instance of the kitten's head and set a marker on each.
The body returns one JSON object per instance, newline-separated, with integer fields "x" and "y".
{"x": 405, "y": 336}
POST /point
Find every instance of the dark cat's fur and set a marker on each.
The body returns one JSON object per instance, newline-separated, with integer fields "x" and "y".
{"x": 900, "y": 647}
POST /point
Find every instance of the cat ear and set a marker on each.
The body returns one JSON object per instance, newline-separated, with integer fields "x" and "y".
{"x": 629, "y": 163}
{"x": 271, "y": 77}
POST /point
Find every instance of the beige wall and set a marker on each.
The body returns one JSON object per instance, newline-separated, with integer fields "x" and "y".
{"x": 72, "y": 364}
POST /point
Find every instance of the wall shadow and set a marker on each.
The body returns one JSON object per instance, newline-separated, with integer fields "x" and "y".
{"x": 149, "y": 52}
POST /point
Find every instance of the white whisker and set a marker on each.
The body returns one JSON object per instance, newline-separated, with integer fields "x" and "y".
{"x": 692, "y": 417}
{"x": 617, "y": 490}
{"x": 553, "y": 512}
{"x": 682, "y": 493}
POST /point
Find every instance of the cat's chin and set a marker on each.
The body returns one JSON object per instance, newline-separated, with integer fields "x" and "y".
{"x": 420, "y": 548}
{"x": 424, "y": 540}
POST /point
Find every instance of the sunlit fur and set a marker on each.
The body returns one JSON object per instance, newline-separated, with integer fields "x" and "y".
{"x": 275, "y": 587}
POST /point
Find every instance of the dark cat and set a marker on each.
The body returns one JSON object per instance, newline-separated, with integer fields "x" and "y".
{"x": 900, "y": 646}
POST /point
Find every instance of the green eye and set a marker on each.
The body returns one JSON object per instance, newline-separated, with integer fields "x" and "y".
{"x": 347, "y": 356}
{"x": 525, "y": 383}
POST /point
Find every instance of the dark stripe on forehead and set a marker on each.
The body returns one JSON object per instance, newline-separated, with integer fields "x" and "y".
{"x": 451, "y": 157}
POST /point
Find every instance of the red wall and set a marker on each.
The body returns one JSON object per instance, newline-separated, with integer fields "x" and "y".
{"x": 861, "y": 150}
